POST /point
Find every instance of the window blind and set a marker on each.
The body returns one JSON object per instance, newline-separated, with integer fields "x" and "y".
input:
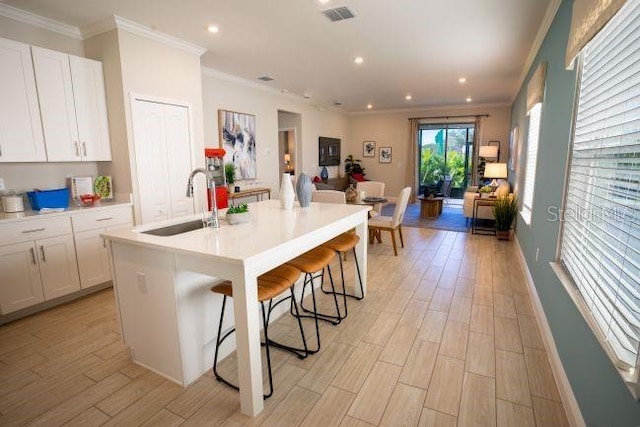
{"x": 533, "y": 138}
{"x": 601, "y": 233}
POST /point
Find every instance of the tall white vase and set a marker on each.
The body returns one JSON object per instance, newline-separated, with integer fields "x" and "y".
{"x": 287, "y": 195}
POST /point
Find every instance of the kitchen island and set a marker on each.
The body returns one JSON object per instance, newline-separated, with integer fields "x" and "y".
{"x": 167, "y": 313}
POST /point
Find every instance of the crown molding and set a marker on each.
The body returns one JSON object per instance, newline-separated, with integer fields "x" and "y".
{"x": 552, "y": 9}
{"x": 144, "y": 31}
{"x": 39, "y": 21}
{"x": 430, "y": 109}
{"x": 212, "y": 72}
{"x": 98, "y": 27}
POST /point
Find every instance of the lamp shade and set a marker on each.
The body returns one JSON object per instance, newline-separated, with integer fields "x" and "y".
{"x": 287, "y": 157}
{"x": 495, "y": 170}
{"x": 490, "y": 151}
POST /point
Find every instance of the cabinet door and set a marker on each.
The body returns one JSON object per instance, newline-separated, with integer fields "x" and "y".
{"x": 176, "y": 125}
{"x": 152, "y": 163}
{"x": 58, "y": 267}
{"x": 20, "y": 128}
{"x": 93, "y": 262}
{"x": 20, "y": 284}
{"x": 55, "y": 92}
{"x": 91, "y": 108}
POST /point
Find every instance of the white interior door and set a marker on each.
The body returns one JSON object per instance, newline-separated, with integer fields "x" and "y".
{"x": 163, "y": 155}
{"x": 176, "y": 122}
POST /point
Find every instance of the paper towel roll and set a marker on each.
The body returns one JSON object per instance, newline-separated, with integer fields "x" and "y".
{"x": 12, "y": 203}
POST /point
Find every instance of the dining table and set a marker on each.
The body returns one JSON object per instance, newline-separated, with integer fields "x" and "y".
{"x": 162, "y": 284}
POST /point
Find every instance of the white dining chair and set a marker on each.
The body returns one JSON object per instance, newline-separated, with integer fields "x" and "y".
{"x": 372, "y": 189}
{"x": 391, "y": 223}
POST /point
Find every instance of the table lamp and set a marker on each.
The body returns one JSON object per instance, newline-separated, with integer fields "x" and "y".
{"x": 488, "y": 151}
{"x": 495, "y": 171}
{"x": 287, "y": 160}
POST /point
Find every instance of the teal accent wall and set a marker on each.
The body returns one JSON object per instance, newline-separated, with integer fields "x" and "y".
{"x": 603, "y": 397}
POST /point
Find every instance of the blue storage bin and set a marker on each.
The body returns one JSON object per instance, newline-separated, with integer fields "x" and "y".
{"x": 49, "y": 198}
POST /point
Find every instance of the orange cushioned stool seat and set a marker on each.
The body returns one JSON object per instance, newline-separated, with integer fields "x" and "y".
{"x": 314, "y": 261}
{"x": 270, "y": 285}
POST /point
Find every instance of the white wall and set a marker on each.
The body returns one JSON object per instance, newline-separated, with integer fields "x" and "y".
{"x": 221, "y": 93}
{"x": 390, "y": 129}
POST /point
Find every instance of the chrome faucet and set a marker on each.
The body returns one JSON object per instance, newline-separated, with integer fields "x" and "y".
{"x": 213, "y": 220}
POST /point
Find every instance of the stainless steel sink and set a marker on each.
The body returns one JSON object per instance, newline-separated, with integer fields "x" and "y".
{"x": 172, "y": 230}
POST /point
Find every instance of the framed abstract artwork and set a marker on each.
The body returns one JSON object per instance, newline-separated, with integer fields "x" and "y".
{"x": 369, "y": 149}
{"x": 237, "y": 133}
{"x": 384, "y": 155}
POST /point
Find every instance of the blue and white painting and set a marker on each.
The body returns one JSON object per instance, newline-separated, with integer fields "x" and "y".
{"x": 238, "y": 138}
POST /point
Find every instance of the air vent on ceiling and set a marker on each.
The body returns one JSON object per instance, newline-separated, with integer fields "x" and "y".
{"x": 265, "y": 78}
{"x": 339, "y": 13}
{"x": 337, "y": 104}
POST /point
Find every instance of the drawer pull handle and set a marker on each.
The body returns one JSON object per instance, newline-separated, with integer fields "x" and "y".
{"x": 104, "y": 243}
{"x": 44, "y": 258}
{"x": 84, "y": 149}
{"x": 105, "y": 219}
{"x": 35, "y": 230}
{"x": 77, "y": 149}
{"x": 33, "y": 256}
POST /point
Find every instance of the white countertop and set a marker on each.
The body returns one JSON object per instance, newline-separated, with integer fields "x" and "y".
{"x": 7, "y": 217}
{"x": 270, "y": 229}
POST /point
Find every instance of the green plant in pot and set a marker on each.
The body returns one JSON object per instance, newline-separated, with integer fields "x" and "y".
{"x": 352, "y": 165}
{"x": 230, "y": 175}
{"x": 485, "y": 191}
{"x": 505, "y": 210}
{"x": 238, "y": 214}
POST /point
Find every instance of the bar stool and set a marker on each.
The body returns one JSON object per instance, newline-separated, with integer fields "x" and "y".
{"x": 310, "y": 263}
{"x": 270, "y": 285}
{"x": 341, "y": 244}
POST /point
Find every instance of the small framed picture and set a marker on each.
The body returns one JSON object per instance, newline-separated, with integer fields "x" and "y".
{"x": 369, "y": 149}
{"x": 384, "y": 155}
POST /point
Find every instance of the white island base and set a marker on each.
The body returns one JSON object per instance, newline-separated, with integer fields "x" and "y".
{"x": 168, "y": 315}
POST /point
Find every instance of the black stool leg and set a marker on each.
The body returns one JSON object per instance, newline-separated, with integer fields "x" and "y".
{"x": 344, "y": 292}
{"x": 300, "y": 352}
{"x": 334, "y": 320}
{"x": 265, "y": 323}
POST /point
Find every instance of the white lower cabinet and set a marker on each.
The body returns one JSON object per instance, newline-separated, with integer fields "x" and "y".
{"x": 37, "y": 270}
{"x": 43, "y": 259}
{"x": 93, "y": 261}
{"x": 20, "y": 283}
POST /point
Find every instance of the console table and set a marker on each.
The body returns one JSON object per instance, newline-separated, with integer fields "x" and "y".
{"x": 258, "y": 192}
{"x": 477, "y": 202}
{"x": 430, "y": 207}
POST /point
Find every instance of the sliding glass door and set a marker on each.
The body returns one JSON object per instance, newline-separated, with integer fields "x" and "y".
{"x": 446, "y": 152}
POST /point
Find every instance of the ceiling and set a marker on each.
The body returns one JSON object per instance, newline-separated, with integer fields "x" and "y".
{"x": 416, "y": 47}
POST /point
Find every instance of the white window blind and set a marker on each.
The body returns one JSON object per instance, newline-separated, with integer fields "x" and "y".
{"x": 533, "y": 138}
{"x": 601, "y": 233}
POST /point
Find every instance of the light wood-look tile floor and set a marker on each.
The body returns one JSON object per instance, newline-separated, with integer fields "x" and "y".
{"x": 446, "y": 336}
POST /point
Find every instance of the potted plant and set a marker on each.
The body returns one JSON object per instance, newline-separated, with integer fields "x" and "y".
{"x": 504, "y": 211}
{"x": 230, "y": 175}
{"x": 352, "y": 165}
{"x": 485, "y": 191}
{"x": 238, "y": 214}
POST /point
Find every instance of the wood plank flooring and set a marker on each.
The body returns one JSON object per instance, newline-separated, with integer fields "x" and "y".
{"x": 446, "y": 337}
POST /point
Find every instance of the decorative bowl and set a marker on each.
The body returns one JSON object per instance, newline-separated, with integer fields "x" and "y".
{"x": 89, "y": 199}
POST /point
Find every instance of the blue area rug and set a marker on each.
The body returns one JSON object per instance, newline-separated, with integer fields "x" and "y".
{"x": 451, "y": 218}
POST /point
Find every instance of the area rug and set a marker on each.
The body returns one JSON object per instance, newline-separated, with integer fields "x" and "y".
{"x": 451, "y": 218}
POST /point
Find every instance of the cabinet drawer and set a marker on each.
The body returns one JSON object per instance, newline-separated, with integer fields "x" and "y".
{"x": 101, "y": 219}
{"x": 24, "y": 231}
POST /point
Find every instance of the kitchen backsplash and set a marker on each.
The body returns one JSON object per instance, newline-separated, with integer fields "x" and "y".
{"x": 23, "y": 177}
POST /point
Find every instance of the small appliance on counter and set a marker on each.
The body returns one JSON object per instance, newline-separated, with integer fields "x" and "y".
{"x": 215, "y": 165}
{"x": 12, "y": 202}
{"x": 49, "y": 199}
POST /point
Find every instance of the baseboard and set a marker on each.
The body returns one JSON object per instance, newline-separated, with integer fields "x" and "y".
{"x": 569, "y": 401}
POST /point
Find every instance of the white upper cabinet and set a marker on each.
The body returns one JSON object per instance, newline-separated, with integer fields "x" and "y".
{"x": 73, "y": 106}
{"x": 20, "y": 128}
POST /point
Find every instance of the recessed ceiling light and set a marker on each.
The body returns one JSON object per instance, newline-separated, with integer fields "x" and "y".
{"x": 358, "y": 60}
{"x": 408, "y": 97}
{"x": 369, "y": 106}
{"x": 213, "y": 29}
{"x": 469, "y": 99}
{"x": 462, "y": 80}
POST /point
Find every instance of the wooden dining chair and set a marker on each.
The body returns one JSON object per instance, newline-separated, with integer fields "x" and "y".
{"x": 391, "y": 223}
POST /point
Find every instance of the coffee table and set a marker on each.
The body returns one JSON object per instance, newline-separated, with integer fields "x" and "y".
{"x": 430, "y": 207}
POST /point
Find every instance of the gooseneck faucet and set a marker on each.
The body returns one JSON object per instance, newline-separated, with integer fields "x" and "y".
{"x": 213, "y": 220}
